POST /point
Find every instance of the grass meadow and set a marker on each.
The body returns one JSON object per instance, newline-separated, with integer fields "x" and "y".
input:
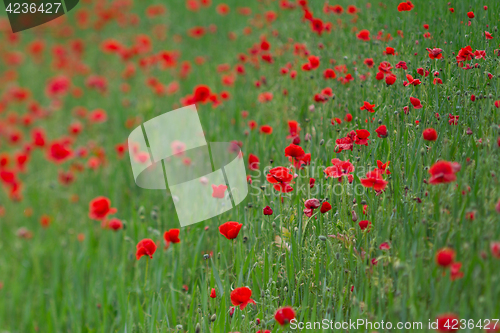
{"x": 296, "y": 84}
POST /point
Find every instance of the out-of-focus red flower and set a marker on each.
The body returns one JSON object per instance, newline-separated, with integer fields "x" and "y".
{"x": 241, "y": 297}
{"x": 430, "y": 134}
{"x": 230, "y": 230}
{"x": 448, "y": 322}
{"x": 443, "y": 172}
{"x": 381, "y": 131}
{"x": 374, "y": 179}
{"x": 405, "y": 6}
{"x": 115, "y": 224}
{"x": 445, "y": 257}
{"x": 171, "y": 236}
{"x": 268, "y": 210}
{"x": 218, "y": 191}
{"x": 368, "y": 107}
{"x": 495, "y": 247}
{"x": 59, "y": 152}
{"x": 281, "y": 178}
{"x": 284, "y": 315}
{"x": 415, "y": 102}
{"x": 325, "y": 207}
{"x": 253, "y": 162}
{"x": 364, "y": 35}
{"x": 145, "y": 247}
{"x": 365, "y": 225}
{"x": 266, "y": 129}
{"x": 100, "y": 207}
{"x": 384, "y": 246}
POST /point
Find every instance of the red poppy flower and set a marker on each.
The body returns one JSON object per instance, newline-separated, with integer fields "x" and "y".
{"x": 389, "y": 51}
{"x": 381, "y": 131}
{"x": 294, "y": 151}
{"x": 58, "y": 152}
{"x": 488, "y": 35}
{"x": 430, "y": 134}
{"x": 218, "y": 191}
{"x": 374, "y": 179}
{"x": 281, "y": 177}
{"x": 453, "y": 120}
{"x": 241, "y": 297}
{"x": 384, "y": 246}
{"x": 201, "y": 93}
{"x": 145, "y": 247}
{"x": 443, "y": 172}
{"x": 268, "y": 210}
{"x": 115, "y": 224}
{"x": 411, "y": 81}
{"x": 222, "y": 9}
{"x": 364, "y": 35}
{"x": 402, "y": 65}
{"x": 311, "y": 205}
{"x": 470, "y": 15}
{"x": 253, "y": 162}
{"x": 345, "y": 143}
{"x": 171, "y": 236}
{"x": 325, "y": 207}
{"x": 437, "y": 81}
{"x": 293, "y": 128}
{"x": 365, "y": 225}
{"x": 455, "y": 272}
{"x": 445, "y": 257}
{"x": 383, "y": 167}
{"x": 495, "y": 248}
{"x": 284, "y": 315}
{"x": 464, "y": 54}
{"x": 99, "y": 208}
{"x": 368, "y": 107}
{"x": 448, "y": 322}
{"x": 336, "y": 121}
{"x": 339, "y": 168}
{"x": 390, "y": 79}
{"x": 405, "y": 6}
{"x": 45, "y": 221}
{"x": 415, "y": 102}
{"x": 266, "y": 129}
{"x": 98, "y": 116}
{"x": 230, "y": 230}
{"x": 361, "y": 137}
{"x": 212, "y": 293}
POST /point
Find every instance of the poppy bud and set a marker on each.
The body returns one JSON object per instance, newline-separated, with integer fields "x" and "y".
{"x": 354, "y": 216}
{"x": 322, "y": 238}
{"x": 213, "y": 318}
{"x": 197, "y": 329}
{"x": 322, "y": 142}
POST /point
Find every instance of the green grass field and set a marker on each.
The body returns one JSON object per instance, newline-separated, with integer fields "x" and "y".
{"x": 63, "y": 271}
